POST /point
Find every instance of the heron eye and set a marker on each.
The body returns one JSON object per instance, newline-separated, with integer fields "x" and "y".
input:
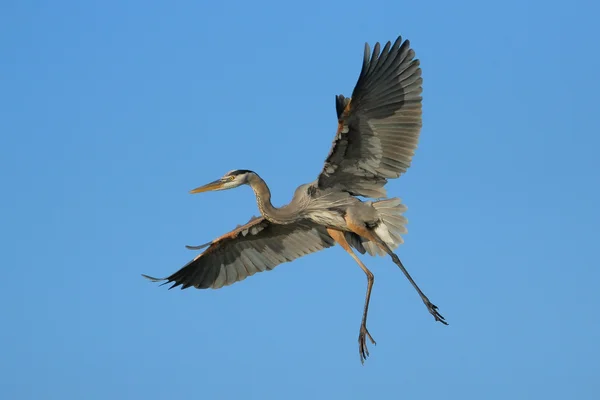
{"x": 231, "y": 178}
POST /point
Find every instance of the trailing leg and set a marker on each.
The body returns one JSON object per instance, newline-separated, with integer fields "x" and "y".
{"x": 361, "y": 229}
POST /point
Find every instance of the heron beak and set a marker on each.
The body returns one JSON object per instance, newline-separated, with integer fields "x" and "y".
{"x": 215, "y": 185}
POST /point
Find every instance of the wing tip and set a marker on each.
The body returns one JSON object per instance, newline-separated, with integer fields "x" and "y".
{"x": 164, "y": 281}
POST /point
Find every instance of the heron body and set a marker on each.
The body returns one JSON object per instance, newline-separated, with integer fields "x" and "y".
{"x": 329, "y": 208}
{"x": 378, "y": 132}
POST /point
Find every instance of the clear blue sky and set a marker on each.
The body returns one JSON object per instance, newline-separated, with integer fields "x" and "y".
{"x": 111, "y": 111}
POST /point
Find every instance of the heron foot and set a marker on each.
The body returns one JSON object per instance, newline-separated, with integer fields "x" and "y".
{"x": 433, "y": 310}
{"x": 362, "y": 343}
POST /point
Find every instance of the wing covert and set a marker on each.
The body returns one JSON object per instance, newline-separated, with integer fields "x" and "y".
{"x": 379, "y": 126}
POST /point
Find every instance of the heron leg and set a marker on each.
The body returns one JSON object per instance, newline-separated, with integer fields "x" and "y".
{"x": 339, "y": 237}
{"x": 362, "y": 230}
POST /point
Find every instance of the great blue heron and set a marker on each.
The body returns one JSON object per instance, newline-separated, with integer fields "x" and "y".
{"x": 377, "y": 134}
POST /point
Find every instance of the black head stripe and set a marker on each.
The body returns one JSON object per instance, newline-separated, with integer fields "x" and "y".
{"x": 236, "y": 172}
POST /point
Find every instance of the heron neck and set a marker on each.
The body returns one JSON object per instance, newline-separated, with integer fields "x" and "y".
{"x": 263, "y": 200}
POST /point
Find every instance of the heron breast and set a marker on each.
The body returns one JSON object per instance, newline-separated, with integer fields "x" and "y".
{"x": 332, "y": 218}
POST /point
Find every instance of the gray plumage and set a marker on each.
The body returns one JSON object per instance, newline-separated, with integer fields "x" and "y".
{"x": 378, "y": 132}
{"x": 377, "y": 139}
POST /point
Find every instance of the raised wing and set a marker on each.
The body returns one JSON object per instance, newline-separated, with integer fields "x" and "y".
{"x": 255, "y": 247}
{"x": 378, "y": 128}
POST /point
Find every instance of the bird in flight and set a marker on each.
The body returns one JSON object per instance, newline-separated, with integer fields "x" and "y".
{"x": 377, "y": 134}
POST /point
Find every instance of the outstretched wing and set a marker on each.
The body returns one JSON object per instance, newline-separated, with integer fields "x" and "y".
{"x": 255, "y": 247}
{"x": 378, "y": 128}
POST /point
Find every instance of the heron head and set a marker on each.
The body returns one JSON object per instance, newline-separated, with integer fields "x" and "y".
{"x": 230, "y": 180}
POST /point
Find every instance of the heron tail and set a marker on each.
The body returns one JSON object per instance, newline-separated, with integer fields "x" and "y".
{"x": 392, "y": 224}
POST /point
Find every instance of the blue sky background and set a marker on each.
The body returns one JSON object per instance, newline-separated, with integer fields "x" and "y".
{"x": 111, "y": 111}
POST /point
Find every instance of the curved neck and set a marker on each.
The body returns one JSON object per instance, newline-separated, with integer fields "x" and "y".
{"x": 276, "y": 215}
